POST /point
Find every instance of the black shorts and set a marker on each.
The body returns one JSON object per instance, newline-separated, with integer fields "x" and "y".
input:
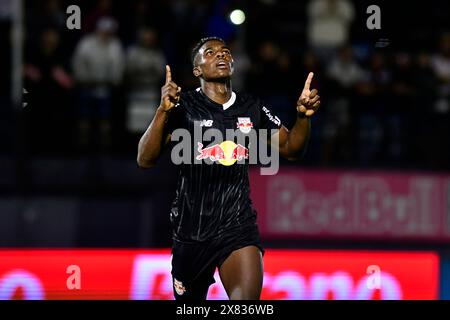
{"x": 194, "y": 263}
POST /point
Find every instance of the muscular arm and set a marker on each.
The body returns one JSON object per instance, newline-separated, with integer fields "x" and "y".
{"x": 154, "y": 138}
{"x": 292, "y": 143}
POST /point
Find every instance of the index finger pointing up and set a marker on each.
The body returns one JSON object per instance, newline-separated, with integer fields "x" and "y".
{"x": 309, "y": 80}
{"x": 168, "y": 74}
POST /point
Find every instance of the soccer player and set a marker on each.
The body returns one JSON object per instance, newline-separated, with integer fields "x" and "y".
{"x": 213, "y": 220}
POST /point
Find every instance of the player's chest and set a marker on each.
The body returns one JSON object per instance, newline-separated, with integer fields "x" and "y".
{"x": 223, "y": 137}
{"x": 243, "y": 121}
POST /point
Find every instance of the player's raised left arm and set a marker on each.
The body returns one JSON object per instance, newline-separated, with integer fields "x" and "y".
{"x": 292, "y": 143}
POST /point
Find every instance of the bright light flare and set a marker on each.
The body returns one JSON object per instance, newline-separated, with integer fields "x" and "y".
{"x": 237, "y": 17}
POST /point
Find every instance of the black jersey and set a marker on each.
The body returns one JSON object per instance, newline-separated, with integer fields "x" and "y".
{"x": 214, "y": 197}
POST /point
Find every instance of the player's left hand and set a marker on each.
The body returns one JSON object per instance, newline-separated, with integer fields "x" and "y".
{"x": 309, "y": 100}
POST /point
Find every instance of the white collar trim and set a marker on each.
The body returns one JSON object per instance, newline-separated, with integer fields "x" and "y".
{"x": 227, "y": 104}
{"x": 230, "y": 102}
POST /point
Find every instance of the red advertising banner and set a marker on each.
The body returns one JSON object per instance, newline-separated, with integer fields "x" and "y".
{"x": 288, "y": 274}
{"x": 340, "y": 204}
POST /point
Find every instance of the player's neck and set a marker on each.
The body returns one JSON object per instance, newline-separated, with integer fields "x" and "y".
{"x": 219, "y": 92}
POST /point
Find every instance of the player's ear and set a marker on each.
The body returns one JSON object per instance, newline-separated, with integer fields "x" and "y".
{"x": 196, "y": 71}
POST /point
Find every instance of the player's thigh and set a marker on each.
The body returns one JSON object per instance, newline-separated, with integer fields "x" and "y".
{"x": 242, "y": 273}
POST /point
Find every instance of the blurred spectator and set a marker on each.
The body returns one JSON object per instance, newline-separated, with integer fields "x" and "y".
{"x": 424, "y": 78}
{"x": 346, "y": 76}
{"x": 145, "y": 69}
{"x": 398, "y": 108}
{"x": 270, "y": 78}
{"x": 345, "y": 70}
{"x": 425, "y": 147}
{"x": 54, "y": 14}
{"x": 402, "y": 71}
{"x": 329, "y": 25}
{"x": 372, "y": 105}
{"x": 101, "y": 10}
{"x": 49, "y": 14}
{"x": 98, "y": 65}
{"x": 441, "y": 66}
{"x": 143, "y": 14}
{"x": 310, "y": 63}
{"x": 189, "y": 14}
{"x": 379, "y": 77}
{"x": 373, "y": 100}
{"x": 45, "y": 73}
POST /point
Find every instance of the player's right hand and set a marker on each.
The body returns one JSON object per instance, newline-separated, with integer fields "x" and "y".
{"x": 170, "y": 92}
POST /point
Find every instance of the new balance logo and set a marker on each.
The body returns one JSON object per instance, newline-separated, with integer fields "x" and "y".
{"x": 206, "y": 123}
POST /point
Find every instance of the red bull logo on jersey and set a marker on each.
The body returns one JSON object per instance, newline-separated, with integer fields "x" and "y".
{"x": 244, "y": 124}
{"x": 209, "y": 145}
{"x": 226, "y": 153}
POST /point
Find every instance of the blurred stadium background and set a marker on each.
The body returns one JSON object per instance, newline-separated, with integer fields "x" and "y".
{"x": 373, "y": 188}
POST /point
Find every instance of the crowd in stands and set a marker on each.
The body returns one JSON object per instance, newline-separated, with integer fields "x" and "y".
{"x": 97, "y": 88}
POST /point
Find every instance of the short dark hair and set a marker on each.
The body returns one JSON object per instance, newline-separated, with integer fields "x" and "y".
{"x": 200, "y": 44}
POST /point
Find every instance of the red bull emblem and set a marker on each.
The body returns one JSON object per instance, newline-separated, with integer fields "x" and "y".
{"x": 226, "y": 153}
{"x": 245, "y": 124}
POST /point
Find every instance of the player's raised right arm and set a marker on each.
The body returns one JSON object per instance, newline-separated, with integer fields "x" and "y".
{"x": 153, "y": 140}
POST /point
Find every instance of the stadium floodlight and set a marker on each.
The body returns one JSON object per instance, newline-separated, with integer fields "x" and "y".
{"x": 237, "y": 17}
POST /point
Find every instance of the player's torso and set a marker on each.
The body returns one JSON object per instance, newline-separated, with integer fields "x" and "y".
{"x": 220, "y": 133}
{"x": 213, "y": 189}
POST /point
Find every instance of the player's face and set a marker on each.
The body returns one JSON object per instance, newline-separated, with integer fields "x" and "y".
{"x": 214, "y": 61}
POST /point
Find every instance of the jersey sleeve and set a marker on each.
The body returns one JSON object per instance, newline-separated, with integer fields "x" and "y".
{"x": 269, "y": 120}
